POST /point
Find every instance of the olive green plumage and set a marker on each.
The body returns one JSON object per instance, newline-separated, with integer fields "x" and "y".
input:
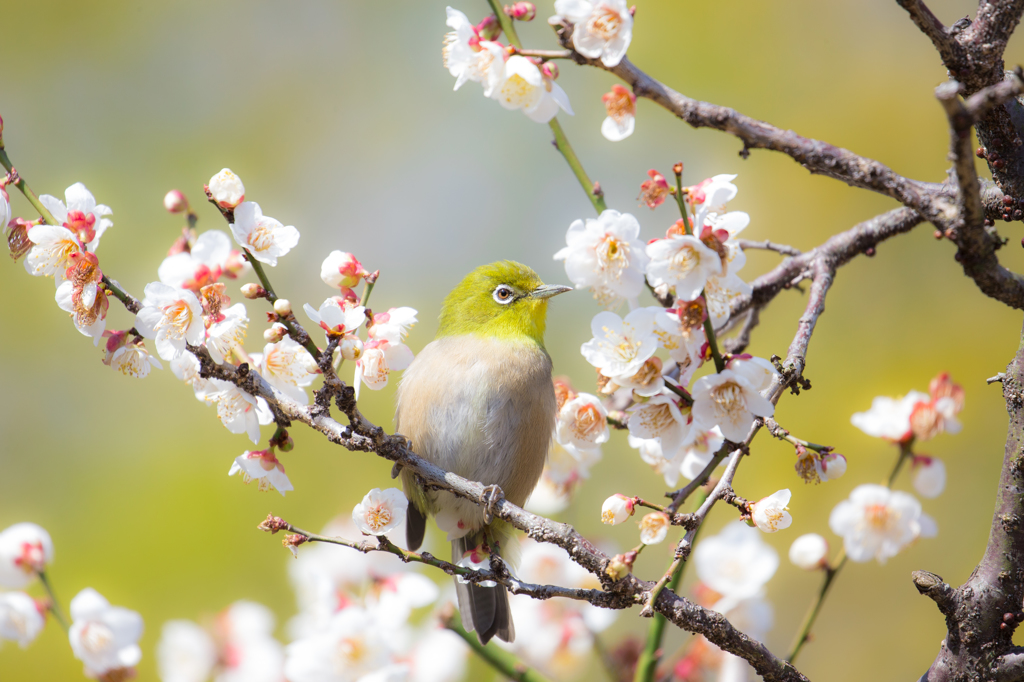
{"x": 478, "y": 401}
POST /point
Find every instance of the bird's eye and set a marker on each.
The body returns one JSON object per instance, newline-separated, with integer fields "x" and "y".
{"x": 503, "y": 294}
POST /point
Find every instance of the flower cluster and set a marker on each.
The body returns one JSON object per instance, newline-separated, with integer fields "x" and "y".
{"x": 472, "y": 53}
{"x": 104, "y": 637}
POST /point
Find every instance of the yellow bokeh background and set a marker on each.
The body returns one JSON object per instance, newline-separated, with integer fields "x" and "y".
{"x": 340, "y": 119}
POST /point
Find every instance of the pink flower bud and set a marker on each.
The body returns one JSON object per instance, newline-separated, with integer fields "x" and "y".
{"x": 488, "y": 28}
{"x": 283, "y": 307}
{"x": 175, "y": 202}
{"x": 253, "y": 291}
{"x": 227, "y": 189}
{"x": 351, "y": 347}
{"x": 276, "y": 332}
{"x": 654, "y": 191}
{"x": 522, "y": 11}
{"x": 550, "y": 70}
{"x": 616, "y": 509}
{"x": 620, "y": 565}
{"x": 342, "y": 270}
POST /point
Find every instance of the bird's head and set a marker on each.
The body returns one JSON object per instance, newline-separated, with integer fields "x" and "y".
{"x": 504, "y": 299}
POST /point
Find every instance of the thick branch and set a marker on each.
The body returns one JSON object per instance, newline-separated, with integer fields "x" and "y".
{"x": 951, "y": 51}
{"x": 815, "y": 155}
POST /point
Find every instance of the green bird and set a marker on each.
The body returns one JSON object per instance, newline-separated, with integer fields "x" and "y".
{"x": 478, "y": 401}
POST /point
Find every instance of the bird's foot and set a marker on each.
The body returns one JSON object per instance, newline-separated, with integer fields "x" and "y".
{"x": 489, "y": 497}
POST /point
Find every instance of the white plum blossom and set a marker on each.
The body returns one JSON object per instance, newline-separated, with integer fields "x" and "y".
{"x": 616, "y": 509}
{"x": 342, "y": 270}
{"x": 889, "y": 418}
{"x": 185, "y": 653}
{"x": 87, "y": 305}
{"x": 52, "y": 247}
{"x": 25, "y": 551}
{"x": 336, "y": 316}
{"x": 250, "y": 653}
{"x": 602, "y": 28}
{"x": 82, "y": 216}
{"x": 710, "y": 196}
{"x": 523, "y": 86}
{"x": 468, "y": 58}
{"x": 174, "y": 317}
{"x": 661, "y": 417}
{"x": 208, "y": 258}
{"x": 351, "y": 649}
{"x": 263, "y": 467}
{"x": 680, "y": 331}
{"x": 134, "y": 360}
{"x": 684, "y": 262}
{"x": 440, "y": 656}
{"x": 702, "y": 448}
{"x": 731, "y": 399}
{"x": 606, "y": 256}
{"x": 929, "y": 476}
{"x": 21, "y": 618}
{"x": 264, "y": 237}
{"x": 736, "y": 563}
{"x": 654, "y": 528}
{"x": 227, "y": 189}
{"x": 377, "y": 361}
{"x": 288, "y": 367}
{"x": 620, "y": 347}
{"x": 582, "y": 423}
{"x": 104, "y": 637}
{"x": 720, "y": 292}
{"x": 620, "y": 104}
{"x": 876, "y": 522}
{"x": 809, "y": 552}
{"x": 770, "y": 514}
{"x": 223, "y": 336}
{"x": 394, "y": 325}
{"x": 380, "y": 511}
{"x": 236, "y": 409}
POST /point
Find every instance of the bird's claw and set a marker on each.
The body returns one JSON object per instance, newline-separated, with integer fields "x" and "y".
{"x": 489, "y": 497}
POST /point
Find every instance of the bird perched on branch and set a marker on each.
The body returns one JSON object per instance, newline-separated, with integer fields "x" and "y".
{"x": 478, "y": 401}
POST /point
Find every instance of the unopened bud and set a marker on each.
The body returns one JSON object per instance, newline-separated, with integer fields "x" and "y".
{"x": 253, "y": 291}
{"x": 17, "y": 237}
{"x": 286, "y": 444}
{"x": 226, "y": 189}
{"x": 550, "y": 69}
{"x": 678, "y": 168}
{"x": 351, "y": 347}
{"x": 620, "y": 565}
{"x": 277, "y": 332}
{"x": 283, "y": 307}
{"x": 292, "y": 541}
{"x": 522, "y": 11}
{"x": 175, "y": 202}
{"x": 488, "y": 28}
{"x": 809, "y": 552}
{"x": 272, "y": 524}
{"x": 617, "y": 509}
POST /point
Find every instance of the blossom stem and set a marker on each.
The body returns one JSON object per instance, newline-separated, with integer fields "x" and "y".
{"x": 561, "y": 141}
{"x": 709, "y": 331}
{"x": 25, "y": 189}
{"x": 831, "y": 572}
{"x": 804, "y": 633}
{"x": 681, "y": 392}
{"x": 678, "y": 170}
{"x": 129, "y": 301}
{"x": 294, "y": 330}
{"x": 502, "y": 661}
{"x": 546, "y": 54}
{"x": 368, "y": 287}
{"x": 651, "y": 654}
{"x": 54, "y": 606}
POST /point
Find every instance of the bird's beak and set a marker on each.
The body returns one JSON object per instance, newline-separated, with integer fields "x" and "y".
{"x": 549, "y": 290}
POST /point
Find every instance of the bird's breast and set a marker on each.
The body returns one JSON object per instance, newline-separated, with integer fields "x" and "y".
{"x": 482, "y": 408}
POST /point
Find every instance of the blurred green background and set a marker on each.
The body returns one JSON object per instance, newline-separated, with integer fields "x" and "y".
{"x": 340, "y": 119}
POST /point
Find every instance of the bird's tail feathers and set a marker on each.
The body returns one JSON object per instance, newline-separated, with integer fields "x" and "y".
{"x": 485, "y": 609}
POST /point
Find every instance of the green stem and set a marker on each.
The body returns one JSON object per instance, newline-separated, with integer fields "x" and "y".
{"x": 366, "y": 293}
{"x": 508, "y": 26}
{"x": 26, "y": 190}
{"x": 651, "y": 655}
{"x": 574, "y": 163}
{"x": 681, "y": 392}
{"x": 682, "y": 203}
{"x": 54, "y": 605}
{"x": 804, "y": 633}
{"x": 129, "y": 302}
{"x": 502, "y": 661}
{"x": 709, "y": 331}
{"x": 293, "y": 330}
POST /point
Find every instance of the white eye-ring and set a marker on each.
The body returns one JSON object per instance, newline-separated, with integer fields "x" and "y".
{"x": 503, "y": 294}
